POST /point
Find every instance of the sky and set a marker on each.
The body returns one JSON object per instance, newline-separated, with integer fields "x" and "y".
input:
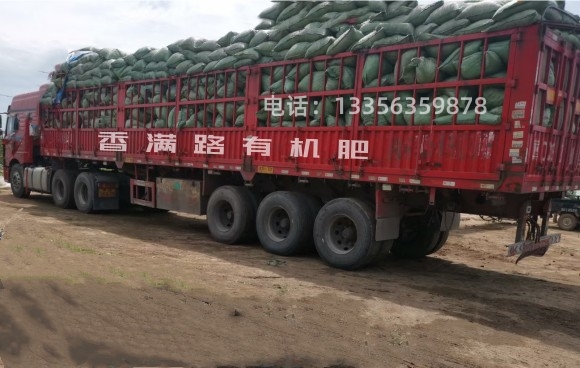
{"x": 35, "y": 35}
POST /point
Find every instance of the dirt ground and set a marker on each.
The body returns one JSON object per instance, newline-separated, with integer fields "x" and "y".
{"x": 141, "y": 290}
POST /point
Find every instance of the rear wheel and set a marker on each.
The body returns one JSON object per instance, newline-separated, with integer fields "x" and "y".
{"x": 344, "y": 234}
{"x": 419, "y": 236}
{"x": 284, "y": 223}
{"x": 63, "y": 188}
{"x": 231, "y": 215}
{"x": 567, "y": 221}
{"x": 440, "y": 243}
{"x": 17, "y": 182}
{"x": 84, "y": 192}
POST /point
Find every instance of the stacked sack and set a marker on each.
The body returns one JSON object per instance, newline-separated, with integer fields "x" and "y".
{"x": 294, "y": 30}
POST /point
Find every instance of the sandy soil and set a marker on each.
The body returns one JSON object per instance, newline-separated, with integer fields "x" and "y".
{"x": 135, "y": 289}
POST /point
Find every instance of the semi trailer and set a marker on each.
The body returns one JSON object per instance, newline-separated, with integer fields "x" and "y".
{"x": 339, "y": 156}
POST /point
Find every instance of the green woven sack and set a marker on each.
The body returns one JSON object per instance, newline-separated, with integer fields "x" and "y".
{"x": 501, "y": 48}
{"x": 367, "y": 41}
{"x": 471, "y": 65}
{"x": 444, "y": 13}
{"x": 345, "y": 41}
{"x": 250, "y": 54}
{"x": 265, "y": 48}
{"x": 449, "y": 66}
{"x": 318, "y": 83}
{"x": 298, "y": 51}
{"x": 522, "y": 19}
{"x": 420, "y": 13}
{"x": 318, "y": 48}
{"x": 391, "y": 40}
{"x": 494, "y": 97}
{"x": 274, "y": 11}
{"x": 450, "y": 27}
{"x": 479, "y": 10}
{"x": 518, "y": 7}
{"x": 371, "y": 68}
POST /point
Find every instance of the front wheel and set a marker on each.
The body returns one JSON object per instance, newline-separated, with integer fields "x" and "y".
{"x": 567, "y": 221}
{"x": 17, "y": 182}
{"x": 344, "y": 234}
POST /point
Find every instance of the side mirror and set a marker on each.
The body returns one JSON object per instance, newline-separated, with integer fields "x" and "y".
{"x": 15, "y": 125}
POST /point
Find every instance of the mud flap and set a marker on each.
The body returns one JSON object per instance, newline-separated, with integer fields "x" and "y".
{"x": 532, "y": 248}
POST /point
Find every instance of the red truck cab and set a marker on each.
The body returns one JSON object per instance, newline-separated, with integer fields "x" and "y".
{"x": 21, "y": 136}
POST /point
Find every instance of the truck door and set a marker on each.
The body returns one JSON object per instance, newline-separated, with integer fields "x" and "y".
{"x": 11, "y": 139}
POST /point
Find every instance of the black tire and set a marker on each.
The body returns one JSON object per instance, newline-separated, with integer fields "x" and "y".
{"x": 443, "y": 236}
{"x": 567, "y": 221}
{"x": 231, "y": 215}
{"x": 63, "y": 188}
{"x": 418, "y": 236}
{"x": 17, "y": 182}
{"x": 285, "y": 222}
{"x": 84, "y": 192}
{"x": 344, "y": 234}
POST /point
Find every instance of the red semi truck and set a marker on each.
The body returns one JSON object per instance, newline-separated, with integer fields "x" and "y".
{"x": 356, "y": 185}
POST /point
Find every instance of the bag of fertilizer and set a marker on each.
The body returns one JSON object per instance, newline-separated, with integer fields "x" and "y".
{"x": 371, "y": 68}
{"x": 449, "y": 66}
{"x": 305, "y": 35}
{"x": 392, "y": 40}
{"x": 318, "y": 82}
{"x": 471, "y": 64}
{"x": 445, "y": 12}
{"x": 345, "y": 41}
{"x": 480, "y": 10}
{"x": 367, "y": 41}
{"x": 522, "y": 19}
{"x": 318, "y": 48}
{"x": 451, "y": 27}
{"x": 494, "y": 97}
{"x": 420, "y": 13}
{"x": 518, "y": 7}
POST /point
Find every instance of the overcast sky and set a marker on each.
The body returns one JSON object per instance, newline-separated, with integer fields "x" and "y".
{"x": 38, "y": 34}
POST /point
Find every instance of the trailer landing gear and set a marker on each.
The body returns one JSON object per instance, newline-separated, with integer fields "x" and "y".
{"x": 532, "y": 238}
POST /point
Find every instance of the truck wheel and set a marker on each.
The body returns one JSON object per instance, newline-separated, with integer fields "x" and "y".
{"x": 284, "y": 223}
{"x": 440, "y": 242}
{"x": 17, "y": 182}
{"x": 231, "y": 214}
{"x": 419, "y": 236}
{"x": 84, "y": 192}
{"x": 344, "y": 234}
{"x": 567, "y": 221}
{"x": 63, "y": 188}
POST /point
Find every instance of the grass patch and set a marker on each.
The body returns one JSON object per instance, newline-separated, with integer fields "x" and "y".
{"x": 19, "y": 248}
{"x": 164, "y": 283}
{"x": 76, "y": 248}
{"x": 117, "y": 272}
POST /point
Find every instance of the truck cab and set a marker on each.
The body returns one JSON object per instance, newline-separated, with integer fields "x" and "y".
{"x": 566, "y": 211}
{"x": 21, "y": 139}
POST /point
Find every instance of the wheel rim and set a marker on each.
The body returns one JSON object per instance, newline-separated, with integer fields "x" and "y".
{"x": 567, "y": 222}
{"x": 341, "y": 235}
{"x": 226, "y": 216}
{"x": 16, "y": 181}
{"x": 279, "y": 224}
